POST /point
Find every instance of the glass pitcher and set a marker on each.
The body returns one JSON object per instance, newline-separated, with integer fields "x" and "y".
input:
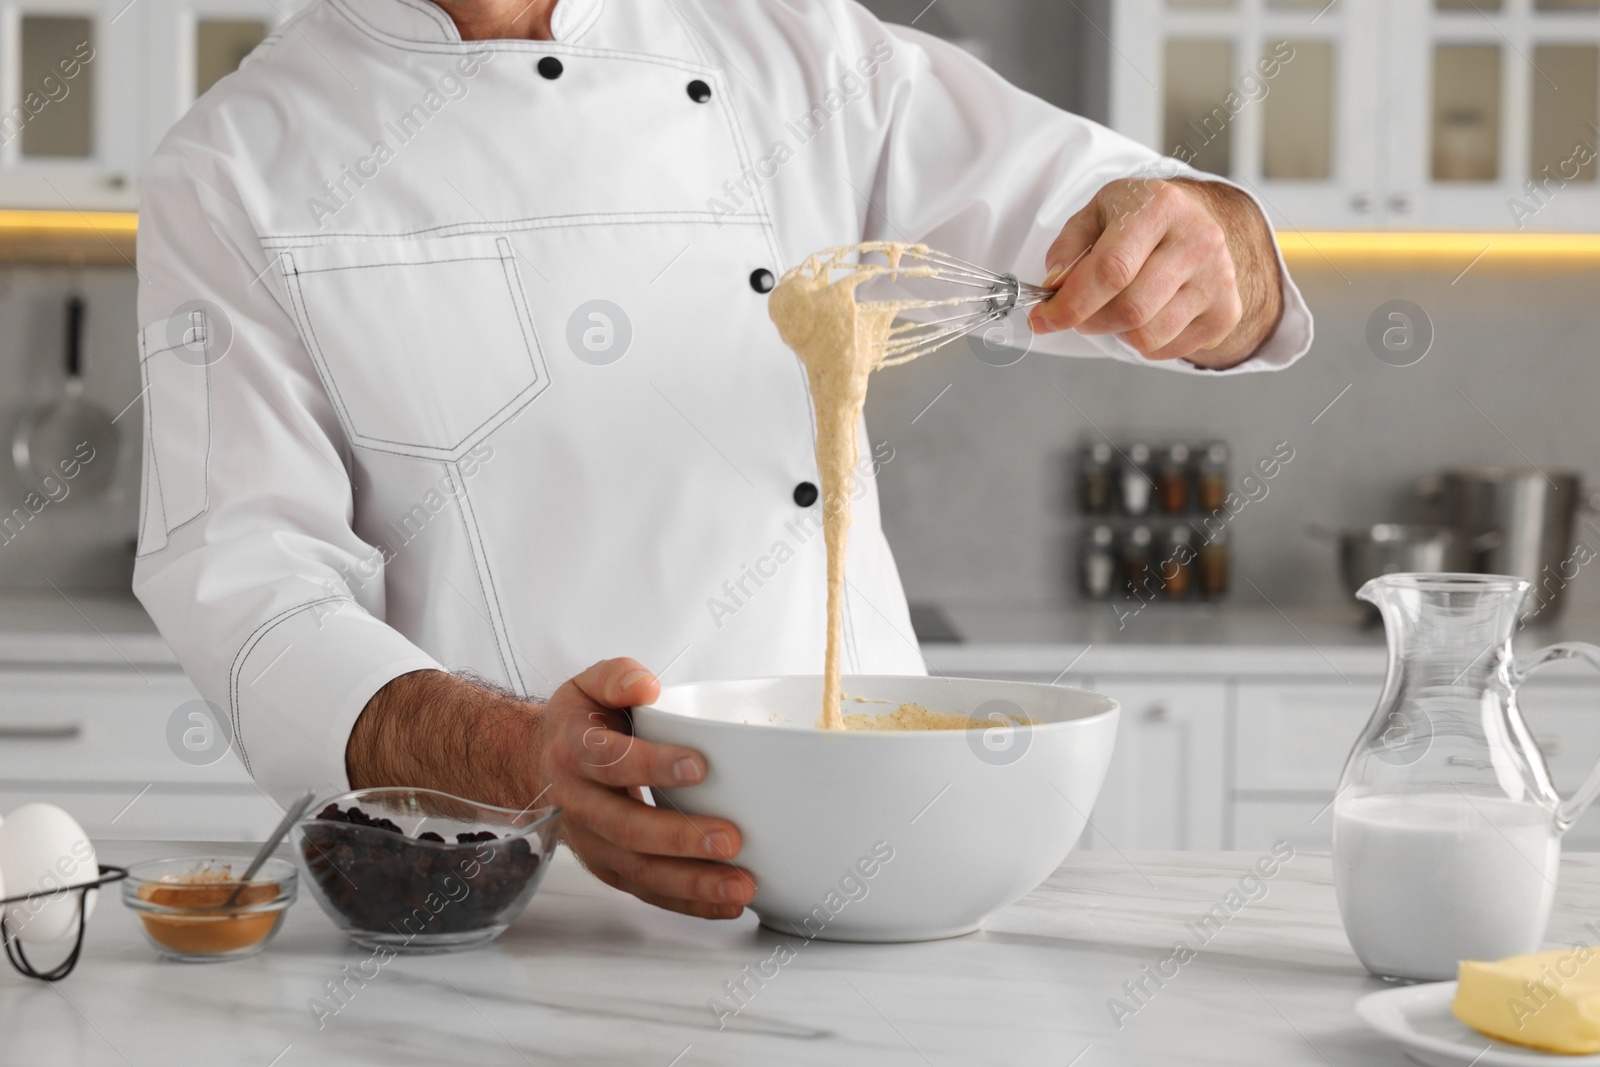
{"x": 1446, "y": 828}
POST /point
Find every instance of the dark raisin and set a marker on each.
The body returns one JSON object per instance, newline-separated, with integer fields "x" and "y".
{"x": 383, "y": 882}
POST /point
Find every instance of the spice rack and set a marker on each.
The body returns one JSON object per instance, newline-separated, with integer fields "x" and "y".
{"x": 1142, "y": 506}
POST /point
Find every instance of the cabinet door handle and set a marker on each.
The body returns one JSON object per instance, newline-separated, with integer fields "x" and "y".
{"x": 64, "y": 731}
{"x": 1157, "y": 713}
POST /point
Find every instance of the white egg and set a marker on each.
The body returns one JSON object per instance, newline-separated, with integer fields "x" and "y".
{"x": 43, "y": 848}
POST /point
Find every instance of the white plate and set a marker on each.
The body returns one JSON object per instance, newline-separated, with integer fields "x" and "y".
{"x": 1419, "y": 1018}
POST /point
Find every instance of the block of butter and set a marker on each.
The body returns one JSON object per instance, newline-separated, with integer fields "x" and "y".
{"x": 1549, "y": 1000}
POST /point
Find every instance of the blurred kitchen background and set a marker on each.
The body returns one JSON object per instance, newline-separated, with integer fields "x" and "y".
{"x": 1434, "y": 152}
{"x": 1380, "y": 123}
{"x": 1369, "y": 136}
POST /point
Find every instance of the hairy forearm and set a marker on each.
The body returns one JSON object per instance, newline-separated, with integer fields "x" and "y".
{"x": 439, "y": 731}
{"x": 1255, "y": 261}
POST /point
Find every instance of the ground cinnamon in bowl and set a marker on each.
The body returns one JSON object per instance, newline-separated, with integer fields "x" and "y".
{"x": 186, "y": 912}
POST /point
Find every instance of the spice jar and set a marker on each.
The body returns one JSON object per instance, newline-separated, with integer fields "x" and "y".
{"x": 1137, "y": 567}
{"x": 1173, "y": 480}
{"x": 1213, "y": 477}
{"x": 1135, "y": 486}
{"x": 1212, "y": 563}
{"x": 1097, "y": 563}
{"x": 1177, "y": 563}
{"x": 1095, "y": 479}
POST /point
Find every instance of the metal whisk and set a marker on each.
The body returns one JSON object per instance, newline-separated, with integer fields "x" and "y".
{"x": 982, "y": 297}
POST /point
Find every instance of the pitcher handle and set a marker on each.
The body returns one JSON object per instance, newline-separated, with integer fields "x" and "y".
{"x": 1568, "y": 811}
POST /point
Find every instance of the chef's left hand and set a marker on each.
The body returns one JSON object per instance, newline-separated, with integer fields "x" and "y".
{"x": 1178, "y": 269}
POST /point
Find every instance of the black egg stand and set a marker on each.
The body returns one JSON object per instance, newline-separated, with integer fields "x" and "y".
{"x": 14, "y": 953}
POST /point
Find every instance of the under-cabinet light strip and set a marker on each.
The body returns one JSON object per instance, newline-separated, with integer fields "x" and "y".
{"x": 68, "y": 224}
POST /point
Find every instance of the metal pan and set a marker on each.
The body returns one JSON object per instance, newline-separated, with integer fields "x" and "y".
{"x": 1368, "y": 552}
{"x": 69, "y": 446}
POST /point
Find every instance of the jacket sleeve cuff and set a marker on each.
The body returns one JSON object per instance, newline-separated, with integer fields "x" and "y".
{"x": 299, "y": 684}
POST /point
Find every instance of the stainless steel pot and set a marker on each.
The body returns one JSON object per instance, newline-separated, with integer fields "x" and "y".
{"x": 1390, "y": 548}
{"x": 1527, "y": 515}
{"x": 1368, "y": 552}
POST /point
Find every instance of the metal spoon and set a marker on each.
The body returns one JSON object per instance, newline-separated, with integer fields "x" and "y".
{"x": 290, "y": 817}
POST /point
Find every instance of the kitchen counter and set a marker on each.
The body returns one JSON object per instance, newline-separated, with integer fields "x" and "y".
{"x": 79, "y": 629}
{"x": 590, "y": 976}
{"x": 1233, "y": 638}
{"x": 1239, "y": 637}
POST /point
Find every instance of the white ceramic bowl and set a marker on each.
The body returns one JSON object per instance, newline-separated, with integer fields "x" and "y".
{"x": 887, "y": 835}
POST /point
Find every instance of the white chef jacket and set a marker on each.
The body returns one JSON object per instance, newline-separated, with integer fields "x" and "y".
{"x": 389, "y": 429}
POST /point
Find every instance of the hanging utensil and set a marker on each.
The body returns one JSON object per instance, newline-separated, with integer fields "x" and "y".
{"x": 70, "y": 442}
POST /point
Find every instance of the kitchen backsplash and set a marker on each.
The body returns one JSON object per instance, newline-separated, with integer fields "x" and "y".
{"x": 66, "y": 537}
{"x": 978, "y": 500}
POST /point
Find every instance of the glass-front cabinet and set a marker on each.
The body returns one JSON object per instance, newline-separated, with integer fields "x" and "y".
{"x": 89, "y": 87}
{"x": 1357, "y": 114}
{"x": 69, "y": 127}
{"x": 194, "y": 44}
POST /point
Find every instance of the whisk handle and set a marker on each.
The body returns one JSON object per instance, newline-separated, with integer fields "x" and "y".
{"x": 1030, "y": 296}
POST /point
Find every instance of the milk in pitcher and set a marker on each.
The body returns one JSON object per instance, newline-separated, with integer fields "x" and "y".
{"x": 1427, "y": 879}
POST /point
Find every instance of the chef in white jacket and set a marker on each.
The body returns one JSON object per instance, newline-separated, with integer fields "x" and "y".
{"x": 460, "y": 378}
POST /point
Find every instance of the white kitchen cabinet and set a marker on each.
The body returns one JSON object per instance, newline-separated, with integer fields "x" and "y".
{"x": 193, "y": 43}
{"x": 1492, "y": 114}
{"x": 78, "y": 143}
{"x": 1165, "y": 788}
{"x": 1257, "y": 825}
{"x": 1294, "y": 736}
{"x": 1291, "y": 740}
{"x": 1395, "y": 114}
{"x": 70, "y": 115}
{"x": 101, "y": 743}
{"x": 1188, "y": 79}
{"x": 1565, "y": 720}
{"x": 1290, "y": 743}
{"x": 124, "y": 811}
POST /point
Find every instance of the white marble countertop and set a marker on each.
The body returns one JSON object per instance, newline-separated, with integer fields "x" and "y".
{"x": 590, "y": 976}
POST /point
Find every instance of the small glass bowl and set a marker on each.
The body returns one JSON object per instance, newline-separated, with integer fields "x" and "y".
{"x": 385, "y": 888}
{"x": 180, "y": 904}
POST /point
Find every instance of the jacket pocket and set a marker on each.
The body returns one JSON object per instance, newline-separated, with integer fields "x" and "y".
{"x": 425, "y": 345}
{"x": 177, "y": 433}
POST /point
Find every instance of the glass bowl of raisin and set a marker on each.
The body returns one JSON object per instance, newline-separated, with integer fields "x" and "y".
{"x": 416, "y": 870}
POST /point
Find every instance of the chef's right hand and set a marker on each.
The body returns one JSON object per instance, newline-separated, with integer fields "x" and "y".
{"x": 594, "y": 768}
